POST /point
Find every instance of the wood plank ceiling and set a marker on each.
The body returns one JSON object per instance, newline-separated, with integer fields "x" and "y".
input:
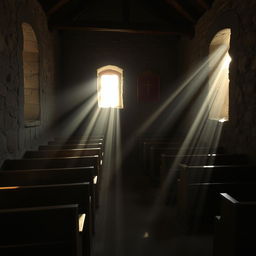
{"x": 175, "y": 17}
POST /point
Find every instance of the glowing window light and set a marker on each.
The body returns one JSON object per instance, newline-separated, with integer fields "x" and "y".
{"x": 226, "y": 61}
{"x": 109, "y": 85}
{"x": 222, "y": 120}
{"x": 109, "y": 91}
{"x": 219, "y": 76}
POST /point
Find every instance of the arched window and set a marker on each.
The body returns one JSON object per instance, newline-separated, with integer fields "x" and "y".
{"x": 31, "y": 75}
{"x": 219, "y": 76}
{"x": 110, "y": 87}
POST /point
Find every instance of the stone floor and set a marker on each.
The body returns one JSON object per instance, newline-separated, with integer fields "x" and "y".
{"x": 130, "y": 223}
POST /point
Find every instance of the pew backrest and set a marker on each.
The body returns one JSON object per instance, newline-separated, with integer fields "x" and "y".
{"x": 70, "y": 146}
{"x": 46, "y": 195}
{"x": 63, "y": 153}
{"x": 46, "y": 176}
{"x": 61, "y": 162}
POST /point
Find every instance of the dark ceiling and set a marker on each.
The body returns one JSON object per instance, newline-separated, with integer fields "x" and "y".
{"x": 133, "y": 16}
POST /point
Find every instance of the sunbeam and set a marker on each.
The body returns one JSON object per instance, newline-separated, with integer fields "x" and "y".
{"x": 203, "y": 132}
{"x": 72, "y": 121}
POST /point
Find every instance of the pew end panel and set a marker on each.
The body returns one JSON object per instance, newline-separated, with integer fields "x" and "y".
{"x": 235, "y": 229}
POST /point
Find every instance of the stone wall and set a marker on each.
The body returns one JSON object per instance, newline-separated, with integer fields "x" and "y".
{"x": 239, "y": 133}
{"x": 15, "y": 138}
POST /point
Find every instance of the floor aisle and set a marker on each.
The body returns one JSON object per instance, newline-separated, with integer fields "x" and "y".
{"x": 127, "y": 222}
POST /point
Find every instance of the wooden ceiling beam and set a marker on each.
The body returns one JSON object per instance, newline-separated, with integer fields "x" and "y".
{"x": 125, "y": 30}
{"x": 181, "y": 10}
{"x": 56, "y": 7}
{"x": 203, "y": 4}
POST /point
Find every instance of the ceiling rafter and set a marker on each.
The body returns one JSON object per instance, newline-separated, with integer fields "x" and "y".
{"x": 203, "y": 4}
{"x": 181, "y": 10}
{"x": 57, "y": 6}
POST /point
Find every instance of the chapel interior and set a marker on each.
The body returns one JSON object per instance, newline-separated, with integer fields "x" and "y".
{"x": 151, "y": 104}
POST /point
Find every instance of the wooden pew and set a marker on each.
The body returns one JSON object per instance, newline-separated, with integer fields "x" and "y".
{"x": 143, "y": 141}
{"x": 68, "y": 153}
{"x": 79, "y": 143}
{"x": 236, "y": 225}
{"x": 170, "y": 167}
{"x": 80, "y": 138}
{"x": 74, "y": 140}
{"x": 167, "y": 161}
{"x": 47, "y": 176}
{"x": 71, "y": 146}
{"x": 146, "y": 150}
{"x": 52, "y": 195}
{"x": 51, "y": 176}
{"x": 61, "y": 162}
{"x": 64, "y": 153}
{"x": 155, "y": 153}
{"x": 198, "y": 187}
{"x": 49, "y": 230}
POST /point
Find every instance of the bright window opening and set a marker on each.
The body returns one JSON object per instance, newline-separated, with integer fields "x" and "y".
{"x": 219, "y": 76}
{"x": 110, "y": 87}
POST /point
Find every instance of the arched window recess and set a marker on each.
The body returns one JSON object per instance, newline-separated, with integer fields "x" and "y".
{"x": 110, "y": 87}
{"x": 219, "y": 76}
{"x": 31, "y": 69}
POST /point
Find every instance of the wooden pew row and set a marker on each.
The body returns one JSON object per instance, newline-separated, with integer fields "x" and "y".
{"x": 52, "y": 195}
{"x": 60, "y": 162}
{"x": 145, "y": 140}
{"x": 40, "y": 180}
{"x": 65, "y": 153}
{"x": 49, "y": 230}
{"x": 146, "y": 151}
{"x": 236, "y": 225}
{"x": 199, "y": 186}
{"x": 170, "y": 167}
{"x": 51, "y": 176}
{"x": 156, "y": 153}
{"x": 74, "y": 157}
{"x": 67, "y": 162}
{"x": 148, "y": 143}
{"x": 168, "y": 161}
